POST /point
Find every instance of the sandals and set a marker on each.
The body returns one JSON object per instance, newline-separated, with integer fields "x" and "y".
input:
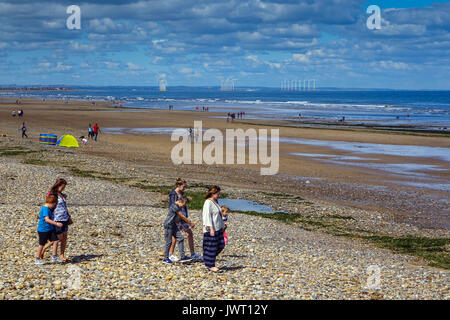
{"x": 215, "y": 270}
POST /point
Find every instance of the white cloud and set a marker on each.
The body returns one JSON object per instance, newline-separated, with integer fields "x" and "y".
{"x": 394, "y": 65}
{"x": 132, "y": 66}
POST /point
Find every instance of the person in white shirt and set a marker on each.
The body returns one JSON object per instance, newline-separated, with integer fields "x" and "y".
{"x": 213, "y": 225}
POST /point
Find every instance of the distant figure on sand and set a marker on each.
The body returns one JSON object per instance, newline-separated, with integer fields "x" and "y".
{"x": 196, "y": 134}
{"x": 46, "y": 229}
{"x": 20, "y": 113}
{"x": 24, "y": 130}
{"x": 90, "y": 132}
{"x": 171, "y": 230}
{"x": 84, "y": 140}
{"x": 13, "y": 114}
{"x": 176, "y": 194}
{"x": 96, "y": 131}
{"x": 213, "y": 225}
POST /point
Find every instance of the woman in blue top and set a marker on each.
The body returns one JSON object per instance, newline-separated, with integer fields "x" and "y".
{"x": 46, "y": 228}
{"x": 174, "y": 196}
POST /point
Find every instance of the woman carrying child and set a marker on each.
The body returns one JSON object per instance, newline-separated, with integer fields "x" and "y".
{"x": 213, "y": 241}
{"x": 175, "y": 194}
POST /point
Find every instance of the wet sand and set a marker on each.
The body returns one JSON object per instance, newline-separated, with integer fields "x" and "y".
{"x": 415, "y": 194}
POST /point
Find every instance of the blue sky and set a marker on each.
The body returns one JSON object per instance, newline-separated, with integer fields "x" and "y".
{"x": 202, "y": 42}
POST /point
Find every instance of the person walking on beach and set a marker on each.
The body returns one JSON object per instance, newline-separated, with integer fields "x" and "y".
{"x": 24, "y": 130}
{"x": 171, "y": 230}
{"x": 96, "y": 131}
{"x": 213, "y": 241}
{"x": 13, "y": 113}
{"x": 90, "y": 132}
{"x": 176, "y": 194}
{"x": 196, "y": 134}
{"x": 61, "y": 215}
{"x": 46, "y": 228}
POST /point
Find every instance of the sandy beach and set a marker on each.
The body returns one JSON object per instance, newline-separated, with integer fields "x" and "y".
{"x": 413, "y": 189}
{"x": 349, "y": 207}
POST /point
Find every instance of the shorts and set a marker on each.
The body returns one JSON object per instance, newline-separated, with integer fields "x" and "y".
{"x": 47, "y": 236}
{"x": 183, "y": 226}
{"x": 64, "y": 228}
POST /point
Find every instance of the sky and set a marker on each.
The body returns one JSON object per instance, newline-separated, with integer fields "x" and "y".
{"x": 204, "y": 42}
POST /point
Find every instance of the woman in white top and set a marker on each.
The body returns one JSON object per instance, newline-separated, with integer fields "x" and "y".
{"x": 213, "y": 241}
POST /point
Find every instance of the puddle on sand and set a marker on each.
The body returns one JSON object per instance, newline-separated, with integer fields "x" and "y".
{"x": 408, "y": 169}
{"x": 333, "y": 156}
{"x": 245, "y": 205}
{"x": 376, "y": 148}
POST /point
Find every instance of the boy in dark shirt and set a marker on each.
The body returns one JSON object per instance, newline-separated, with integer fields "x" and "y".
{"x": 171, "y": 229}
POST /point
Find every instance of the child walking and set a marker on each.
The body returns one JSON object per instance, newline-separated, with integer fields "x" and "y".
{"x": 46, "y": 229}
{"x": 171, "y": 230}
{"x": 24, "y": 130}
{"x": 175, "y": 194}
{"x": 225, "y": 221}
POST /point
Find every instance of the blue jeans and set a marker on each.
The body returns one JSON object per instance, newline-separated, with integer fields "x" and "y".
{"x": 169, "y": 232}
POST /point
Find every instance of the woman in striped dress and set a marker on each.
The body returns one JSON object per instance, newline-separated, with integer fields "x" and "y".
{"x": 213, "y": 241}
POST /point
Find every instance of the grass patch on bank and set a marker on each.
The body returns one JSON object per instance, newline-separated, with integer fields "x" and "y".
{"x": 83, "y": 173}
{"x": 15, "y": 151}
{"x": 37, "y": 162}
{"x": 159, "y": 189}
{"x": 95, "y": 175}
{"x": 432, "y": 250}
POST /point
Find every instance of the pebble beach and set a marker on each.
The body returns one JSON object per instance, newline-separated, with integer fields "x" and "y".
{"x": 116, "y": 244}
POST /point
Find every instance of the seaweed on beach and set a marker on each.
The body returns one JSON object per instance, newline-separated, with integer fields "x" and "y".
{"x": 432, "y": 250}
{"x": 160, "y": 189}
{"x": 37, "y": 162}
{"x": 15, "y": 151}
{"x": 96, "y": 175}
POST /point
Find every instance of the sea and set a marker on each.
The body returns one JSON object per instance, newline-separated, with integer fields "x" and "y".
{"x": 422, "y": 109}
